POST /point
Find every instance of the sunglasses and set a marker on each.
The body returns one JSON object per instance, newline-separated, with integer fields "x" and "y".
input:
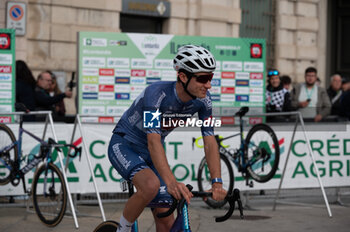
{"x": 204, "y": 78}
{"x": 273, "y": 73}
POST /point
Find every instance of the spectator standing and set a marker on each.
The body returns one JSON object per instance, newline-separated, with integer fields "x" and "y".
{"x": 334, "y": 92}
{"x": 277, "y": 97}
{"x": 286, "y": 82}
{"x": 345, "y": 99}
{"x": 311, "y": 100}
{"x": 59, "y": 108}
{"x": 25, "y": 85}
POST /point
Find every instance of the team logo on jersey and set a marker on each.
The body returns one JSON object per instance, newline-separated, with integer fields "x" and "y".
{"x": 151, "y": 119}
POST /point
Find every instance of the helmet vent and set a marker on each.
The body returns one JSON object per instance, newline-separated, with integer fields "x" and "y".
{"x": 190, "y": 64}
{"x": 187, "y": 54}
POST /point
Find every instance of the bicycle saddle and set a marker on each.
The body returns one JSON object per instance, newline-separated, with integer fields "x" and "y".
{"x": 242, "y": 111}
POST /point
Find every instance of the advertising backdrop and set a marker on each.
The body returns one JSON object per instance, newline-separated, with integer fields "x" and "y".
{"x": 114, "y": 68}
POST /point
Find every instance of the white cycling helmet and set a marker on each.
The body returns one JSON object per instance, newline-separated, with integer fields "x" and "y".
{"x": 194, "y": 59}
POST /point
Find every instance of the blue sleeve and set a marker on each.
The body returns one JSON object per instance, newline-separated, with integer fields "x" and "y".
{"x": 205, "y": 113}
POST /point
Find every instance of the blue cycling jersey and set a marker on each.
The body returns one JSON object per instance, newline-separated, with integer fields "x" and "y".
{"x": 161, "y": 95}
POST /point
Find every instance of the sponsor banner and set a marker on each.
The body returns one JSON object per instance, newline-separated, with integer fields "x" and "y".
{"x": 163, "y": 63}
{"x": 106, "y": 88}
{"x": 5, "y": 77}
{"x": 169, "y": 74}
{"x": 89, "y": 119}
{"x": 106, "y": 119}
{"x": 118, "y": 62}
{"x": 90, "y": 96}
{"x": 93, "y": 110}
{"x": 256, "y": 83}
{"x": 242, "y": 75}
{"x": 218, "y": 65}
{"x": 242, "y": 98}
{"x": 5, "y": 108}
{"x": 5, "y": 119}
{"x": 256, "y": 98}
{"x": 215, "y": 97}
{"x": 133, "y": 96}
{"x": 106, "y": 95}
{"x": 122, "y": 80}
{"x": 169, "y": 78}
{"x": 95, "y": 62}
{"x": 5, "y": 59}
{"x": 232, "y": 66}
{"x": 90, "y": 72}
{"x": 154, "y": 73}
{"x": 255, "y": 120}
{"x": 253, "y": 90}
{"x": 215, "y": 82}
{"x": 122, "y": 96}
{"x": 122, "y": 88}
{"x": 229, "y": 111}
{"x": 95, "y": 42}
{"x": 253, "y": 66}
{"x": 228, "y": 82}
{"x": 137, "y": 81}
{"x": 242, "y": 82}
{"x": 137, "y": 88}
{"x": 230, "y": 75}
{"x": 5, "y": 94}
{"x": 227, "y": 89}
{"x": 138, "y": 73}
{"x": 151, "y": 80}
{"x": 226, "y": 120}
{"x": 106, "y": 72}
{"x": 227, "y": 97}
{"x": 122, "y": 72}
{"x": 217, "y": 75}
{"x": 242, "y": 90}
{"x": 215, "y": 90}
{"x": 5, "y": 69}
{"x": 90, "y": 88}
{"x": 116, "y": 110}
{"x": 90, "y": 80}
{"x": 141, "y": 63}
{"x": 106, "y": 80}
{"x": 259, "y": 76}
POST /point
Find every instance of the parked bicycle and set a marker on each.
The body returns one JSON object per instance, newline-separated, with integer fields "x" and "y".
{"x": 48, "y": 190}
{"x": 256, "y": 158}
{"x": 181, "y": 222}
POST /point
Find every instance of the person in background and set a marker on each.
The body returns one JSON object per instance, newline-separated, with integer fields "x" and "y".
{"x": 345, "y": 99}
{"x": 25, "y": 85}
{"x": 59, "y": 108}
{"x": 334, "y": 92}
{"x": 311, "y": 100}
{"x": 286, "y": 82}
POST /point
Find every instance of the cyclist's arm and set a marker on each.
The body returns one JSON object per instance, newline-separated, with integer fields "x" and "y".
{"x": 213, "y": 160}
{"x": 160, "y": 162}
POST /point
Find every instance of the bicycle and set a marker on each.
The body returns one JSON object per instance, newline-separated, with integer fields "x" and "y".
{"x": 181, "y": 222}
{"x": 256, "y": 158}
{"x": 48, "y": 190}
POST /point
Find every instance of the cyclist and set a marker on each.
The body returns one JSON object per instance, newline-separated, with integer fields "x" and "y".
{"x": 137, "y": 153}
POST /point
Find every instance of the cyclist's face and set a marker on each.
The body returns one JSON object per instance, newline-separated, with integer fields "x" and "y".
{"x": 198, "y": 87}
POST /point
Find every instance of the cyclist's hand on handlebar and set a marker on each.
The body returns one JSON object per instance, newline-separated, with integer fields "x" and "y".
{"x": 179, "y": 190}
{"x": 219, "y": 193}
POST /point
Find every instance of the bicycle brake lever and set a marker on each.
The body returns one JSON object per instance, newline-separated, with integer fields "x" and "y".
{"x": 231, "y": 200}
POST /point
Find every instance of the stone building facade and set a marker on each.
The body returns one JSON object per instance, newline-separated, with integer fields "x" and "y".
{"x": 52, "y": 25}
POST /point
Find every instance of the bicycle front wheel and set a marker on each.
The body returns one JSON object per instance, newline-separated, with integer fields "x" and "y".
{"x": 204, "y": 179}
{"x": 107, "y": 226}
{"x": 49, "y": 194}
{"x": 262, "y": 152}
{"x": 7, "y": 158}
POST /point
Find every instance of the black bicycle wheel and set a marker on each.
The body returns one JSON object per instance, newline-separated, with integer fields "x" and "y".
{"x": 107, "y": 226}
{"x": 49, "y": 194}
{"x": 262, "y": 152}
{"x": 8, "y": 158}
{"x": 204, "y": 179}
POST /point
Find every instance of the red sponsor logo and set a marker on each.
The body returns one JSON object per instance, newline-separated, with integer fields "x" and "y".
{"x": 138, "y": 73}
{"x": 106, "y": 88}
{"x": 226, "y": 120}
{"x": 5, "y": 69}
{"x": 5, "y": 119}
{"x": 255, "y": 120}
{"x": 106, "y": 119}
{"x": 230, "y": 75}
{"x": 256, "y": 76}
{"x": 227, "y": 89}
{"x": 106, "y": 72}
{"x": 256, "y": 51}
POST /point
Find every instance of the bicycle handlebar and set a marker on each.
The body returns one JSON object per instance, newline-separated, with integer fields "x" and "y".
{"x": 232, "y": 198}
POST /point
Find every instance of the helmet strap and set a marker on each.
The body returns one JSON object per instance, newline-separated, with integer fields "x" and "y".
{"x": 185, "y": 87}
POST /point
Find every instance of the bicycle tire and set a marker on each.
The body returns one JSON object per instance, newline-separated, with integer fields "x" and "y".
{"x": 204, "y": 180}
{"x": 49, "y": 207}
{"x": 262, "y": 140}
{"x": 6, "y": 138}
{"x": 107, "y": 226}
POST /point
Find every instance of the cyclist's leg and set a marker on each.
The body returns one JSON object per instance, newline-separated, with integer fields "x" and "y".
{"x": 131, "y": 166}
